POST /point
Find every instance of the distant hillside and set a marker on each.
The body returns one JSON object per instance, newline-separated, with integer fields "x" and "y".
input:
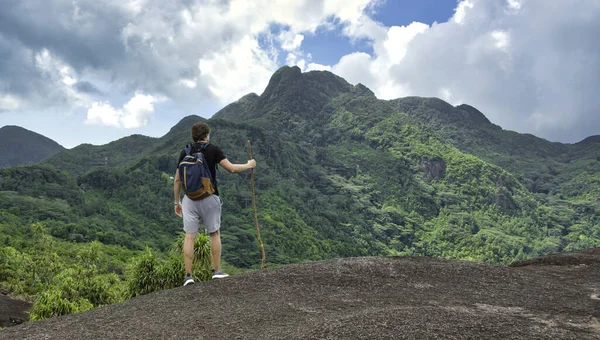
{"x": 19, "y": 146}
{"x": 87, "y": 157}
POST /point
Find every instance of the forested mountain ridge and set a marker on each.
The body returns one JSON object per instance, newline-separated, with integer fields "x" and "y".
{"x": 316, "y": 137}
{"x": 19, "y": 146}
{"x": 339, "y": 173}
{"x": 463, "y": 126}
{"x": 86, "y": 157}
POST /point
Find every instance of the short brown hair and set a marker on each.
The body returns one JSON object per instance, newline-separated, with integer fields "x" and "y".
{"x": 200, "y": 131}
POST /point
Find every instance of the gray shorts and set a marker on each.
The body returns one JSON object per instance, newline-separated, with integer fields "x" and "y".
{"x": 206, "y": 210}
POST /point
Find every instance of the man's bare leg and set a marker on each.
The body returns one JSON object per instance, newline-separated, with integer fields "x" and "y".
{"x": 215, "y": 246}
{"x": 188, "y": 251}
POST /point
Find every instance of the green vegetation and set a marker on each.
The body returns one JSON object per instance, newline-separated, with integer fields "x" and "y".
{"x": 150, "y": 274}
{"x": 63, "y": 278}
{"x": 340, "y": 173}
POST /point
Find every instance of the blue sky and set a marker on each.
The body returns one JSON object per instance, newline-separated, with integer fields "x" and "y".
{"x": 138, "y": 66}
{"x": 403, "y": 12}
{"x": 328, "y": 46}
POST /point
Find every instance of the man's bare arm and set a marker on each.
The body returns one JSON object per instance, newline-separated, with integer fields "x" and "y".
{"x": 227, "y": 165}
{"x": 177, "y": 193}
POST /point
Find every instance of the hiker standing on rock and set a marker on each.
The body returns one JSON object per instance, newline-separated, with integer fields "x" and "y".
{"x": 197, "y": 166}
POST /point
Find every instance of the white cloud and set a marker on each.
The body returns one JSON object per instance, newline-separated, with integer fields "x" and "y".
{"x": 290, "y": 41}
{"x": 296, "y": 59}
{"x": 61, "y": 78}
{"x": 190, "y": 83}
{"x": 9, "y": 102}
{"x": 356, "y": 68}
{"x": 67, "y": 76}
{"x": 104, "y": 114}
{"x": 501, "y": 40}
{"x": 231, "y": 43}
{"x": 461, "y": 11}
{"x": 514, "y": 4}
{"x": 364, "y": 27}
{"x": 374, "y": 71}
{"x": 135, "y": 6}
{"x": 446, "y": 94}
{"x": 168, "y": 48}
{"x": 134, "y": 114}
{"x": 241, "y": 68}
{"x": 138, "y": 111}
{"x": 396, "y": 42}
{"x": 317, "y": 67}
{"x": 530, "y": 66}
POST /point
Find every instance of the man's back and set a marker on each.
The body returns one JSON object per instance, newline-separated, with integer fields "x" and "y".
{"x": 213, "y": 155}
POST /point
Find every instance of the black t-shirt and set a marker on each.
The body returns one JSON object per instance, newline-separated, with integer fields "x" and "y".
{"x": 213, "y": 155}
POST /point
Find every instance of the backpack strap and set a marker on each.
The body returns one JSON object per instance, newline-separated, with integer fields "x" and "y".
{"x": 203, "y": 146}
{"x": 188, "y": 149}
{"x": 195, "y": 147}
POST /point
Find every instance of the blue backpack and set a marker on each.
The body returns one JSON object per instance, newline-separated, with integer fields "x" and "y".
{"x": 195, "y": 175}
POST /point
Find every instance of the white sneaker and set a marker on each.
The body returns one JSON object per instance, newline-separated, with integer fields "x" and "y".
{"x": 188, "y": 280}
{"x": 217, "y": 274}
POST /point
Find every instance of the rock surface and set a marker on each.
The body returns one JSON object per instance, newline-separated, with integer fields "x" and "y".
{"x": 12, "y": 312}
{"x": 359, "y": 298}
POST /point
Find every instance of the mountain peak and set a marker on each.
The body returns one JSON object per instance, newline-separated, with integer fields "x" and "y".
{"x": 283, "y": 76}
{"x": 287, "y": 71}
{"x": 185, "y": 124}
{"x": 290, "y": 96}
{"x": 473, "y": 114}
{"x": 14, "y": 129}
{"x": 249, "y": 97}
{"x": 362, "y": 90}
{"x": 590, "y": 140}
{"x": 293, "y": 78}
{"x": 16, "y": 146}
{"x": 11, "y": 127}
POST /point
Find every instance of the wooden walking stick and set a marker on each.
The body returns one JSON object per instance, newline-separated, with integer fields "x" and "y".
{"x": 262, "y": 247}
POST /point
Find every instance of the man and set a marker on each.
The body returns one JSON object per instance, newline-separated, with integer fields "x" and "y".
{"x": 207, "y": 210}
